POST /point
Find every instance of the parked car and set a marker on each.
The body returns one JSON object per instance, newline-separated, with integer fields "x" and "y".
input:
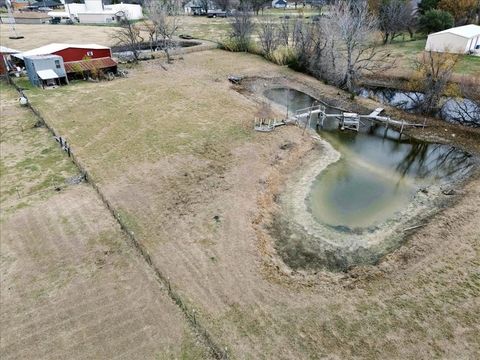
{"x": 216, "y": 13}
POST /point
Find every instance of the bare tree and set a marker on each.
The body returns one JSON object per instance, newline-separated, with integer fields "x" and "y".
{"x": 257, "y": 5}
{"x": 242, "y": 29}
{"x": 352, "y": 28}
{"x": 150, "y": 28}
{"x": 432, "y": 75}
{"x": 284, "y": 31}
{"x": 307, "y": 41}
{"x": 205, "y": 5}
{"x": 163, "y": 25}
{"x": 268, "y": 36}
{"x": 394, "y": 16}
{"x": 224, "y": 4}
{"x": 129, "y": 36}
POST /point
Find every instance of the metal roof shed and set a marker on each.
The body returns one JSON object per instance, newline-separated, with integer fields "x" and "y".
{"x": 460, "y": 40}
{"x": 45, "y": 70}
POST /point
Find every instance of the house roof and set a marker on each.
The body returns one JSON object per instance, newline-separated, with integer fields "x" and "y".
{"x": 47, "y": 74}
{"x": 91, "y": 64}
{"x": 39, "y": 57}
{"x": 52, "y": 48}
{"x": 46, "y": 3}
{"x": 30, "y": 15}
{"x": 6, "y": 50}
{"x": 466, "y": 31}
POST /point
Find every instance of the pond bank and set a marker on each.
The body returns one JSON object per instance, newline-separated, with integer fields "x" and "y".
{"x": 304, "y": 243}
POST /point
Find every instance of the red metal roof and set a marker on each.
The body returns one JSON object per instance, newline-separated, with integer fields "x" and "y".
{"x": 91, "y": 64}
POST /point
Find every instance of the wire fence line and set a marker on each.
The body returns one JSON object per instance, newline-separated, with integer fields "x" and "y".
{"x": 190, "y": 314}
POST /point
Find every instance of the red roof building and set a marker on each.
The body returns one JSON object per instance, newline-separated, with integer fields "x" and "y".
{"x": 77, "y": 58}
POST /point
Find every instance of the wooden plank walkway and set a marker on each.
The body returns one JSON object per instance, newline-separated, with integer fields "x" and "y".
{"x": 350, "y": 121}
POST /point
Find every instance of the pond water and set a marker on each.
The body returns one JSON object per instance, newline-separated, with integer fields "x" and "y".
{"x": 453, "y": 110}
{"x": 378, "y": 173}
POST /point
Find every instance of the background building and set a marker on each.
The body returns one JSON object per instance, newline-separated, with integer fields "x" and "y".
{"x": 461, "y": 40}
{"x": 96, "y": 12}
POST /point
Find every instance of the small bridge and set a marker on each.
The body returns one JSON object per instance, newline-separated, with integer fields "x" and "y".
{"x": 348, "y": 121}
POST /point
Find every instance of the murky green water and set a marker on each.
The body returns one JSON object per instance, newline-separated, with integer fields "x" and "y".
{"x": 378, "y": 173}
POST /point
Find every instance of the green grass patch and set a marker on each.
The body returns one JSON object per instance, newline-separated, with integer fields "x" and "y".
{"x": 406, "y": 52}
{"x": 31, "y": 161}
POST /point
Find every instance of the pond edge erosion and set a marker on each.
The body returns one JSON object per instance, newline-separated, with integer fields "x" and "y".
{"x": 302, "y": 243}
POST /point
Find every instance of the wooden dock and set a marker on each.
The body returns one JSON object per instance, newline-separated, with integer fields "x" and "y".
{"x": 267, "y": 125}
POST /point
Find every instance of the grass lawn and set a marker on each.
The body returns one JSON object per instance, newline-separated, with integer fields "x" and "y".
{"x": 69, "y": 277}
{"x": 406, "y": 52}
{"x": 175, "y": 153}
{"x": 32, "y": 163}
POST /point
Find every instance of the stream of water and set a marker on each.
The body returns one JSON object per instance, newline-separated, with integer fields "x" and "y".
{"x": 460, "y": 110}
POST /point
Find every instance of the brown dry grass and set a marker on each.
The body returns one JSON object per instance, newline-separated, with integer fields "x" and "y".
{"x": 71, "y": 286}
{"x": 27, "y": 172}
{"x": 39, "y": 35}
{"x": 174, "y": 152}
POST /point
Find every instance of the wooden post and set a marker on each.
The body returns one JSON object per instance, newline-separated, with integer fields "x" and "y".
{"x": 306, "y": 123}
{"x": 424, "y": 122}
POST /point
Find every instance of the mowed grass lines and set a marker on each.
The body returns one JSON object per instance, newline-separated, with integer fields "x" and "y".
{"x": 189, "y": 109}
{"x": 72, "y": 287}
{"x": 31, "y": 162}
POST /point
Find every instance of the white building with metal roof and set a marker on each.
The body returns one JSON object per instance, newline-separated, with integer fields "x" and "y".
{"x": 96, "y": 12}
{"x": 460, "y": 40}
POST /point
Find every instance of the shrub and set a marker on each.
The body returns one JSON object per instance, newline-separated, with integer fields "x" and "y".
{"x": 236, "y": 45}
{"x": 435, "y": 20}
{"x": 283, "y": 55}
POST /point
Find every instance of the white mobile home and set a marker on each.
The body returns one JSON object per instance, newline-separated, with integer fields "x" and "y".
{"x": 459, "y": 40}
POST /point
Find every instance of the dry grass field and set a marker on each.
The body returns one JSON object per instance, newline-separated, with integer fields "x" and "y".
{"x": 175, "y": 154}
{"x": 39, "y": 35}
{"x": 71, "y": 286}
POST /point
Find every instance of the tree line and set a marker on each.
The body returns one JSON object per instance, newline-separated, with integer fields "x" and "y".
{"x": 340, "y": 47}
